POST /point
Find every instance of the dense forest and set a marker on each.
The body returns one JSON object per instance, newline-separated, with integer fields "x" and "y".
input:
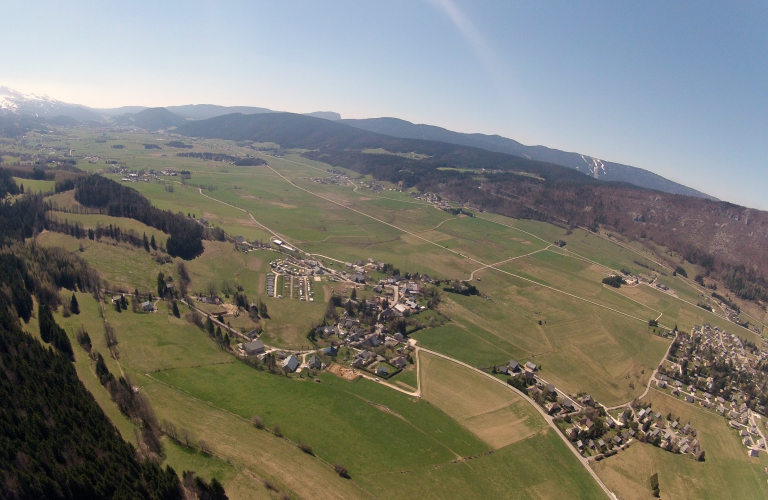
{"x": 55, "y": 440}
{"x": 116, "y": 200}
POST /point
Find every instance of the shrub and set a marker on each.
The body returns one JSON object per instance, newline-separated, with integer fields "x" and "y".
{"x": 341, "y": 470}
{"x": 277, "y": 431}
{"x": 270, "y": 485}
{"x": 614, "y": 281}
{"x": 306, "y": 449}
{"x": 257, "y": 422}
{"x": 655, "y": 485}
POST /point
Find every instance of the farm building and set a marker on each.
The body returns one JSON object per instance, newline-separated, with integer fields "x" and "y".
{"x": 291, "y": 363}
{"x": 255, "y": 347}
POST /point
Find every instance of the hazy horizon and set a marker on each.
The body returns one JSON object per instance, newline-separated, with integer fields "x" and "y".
{"x": 673, "y": 89}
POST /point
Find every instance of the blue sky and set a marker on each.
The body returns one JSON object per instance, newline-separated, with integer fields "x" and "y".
{"x": 678, "y": 88}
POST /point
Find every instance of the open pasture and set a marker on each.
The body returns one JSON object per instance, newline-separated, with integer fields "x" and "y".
{"x": 121, "y": 264}
{"x": 539, "y": 467}
{"x": 35, "y": 186}
{"x": 347, "y": 418}
{"x": 582, "y": 346}
{"x": 90, "y": 221}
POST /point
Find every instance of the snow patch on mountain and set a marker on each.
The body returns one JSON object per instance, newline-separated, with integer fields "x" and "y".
{"x": 594, "y": 166}
{"x": 14, "y": 102}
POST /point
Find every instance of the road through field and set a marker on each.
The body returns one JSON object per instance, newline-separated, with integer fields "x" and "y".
{"x": 546, "y": 417}
{"x": 489, "y": 266}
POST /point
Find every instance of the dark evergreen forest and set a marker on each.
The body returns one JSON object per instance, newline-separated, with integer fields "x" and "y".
{"x": 116, "y": 200}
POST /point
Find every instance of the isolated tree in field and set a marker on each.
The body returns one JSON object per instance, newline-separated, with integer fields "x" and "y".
{"x": 176, "y": 310}
{"x": 118, "y": 308}
{"x": 153, "y": 243}
{"x": 74, "y": 307}
{"x": 185, "y": 437}
{"x": 161, "y": 284}
{"x": 146, "y": 242}
{"x": 52, "y": 333}
{"x": 263, "y": 310}
{"x": 353, "y": 295}
{"x": 226, "y": 340}
{"x": 84, "y": 339}
{"x": 330, "y": 311}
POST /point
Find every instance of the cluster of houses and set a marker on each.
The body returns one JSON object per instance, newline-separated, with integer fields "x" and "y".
{"x": 742, "y": 384}
{"x": 146, "y": 306}
{"x": 732, "y": 394}
{"x": 336, "y": 178}
{"x": 434, "y": 199}
{"x": 666, "y": 434}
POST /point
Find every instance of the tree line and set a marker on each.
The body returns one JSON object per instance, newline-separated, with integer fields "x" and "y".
{"x": 116, "y": 200}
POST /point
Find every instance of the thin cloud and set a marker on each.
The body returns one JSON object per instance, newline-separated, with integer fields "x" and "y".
{"x": 484, "y": 53}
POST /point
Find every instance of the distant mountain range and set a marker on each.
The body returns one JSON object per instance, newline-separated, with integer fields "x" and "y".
{"x": 13, "y": 103}
{"x": 599, "y": 169}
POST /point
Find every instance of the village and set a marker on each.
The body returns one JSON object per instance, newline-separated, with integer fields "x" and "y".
{"x": 724, "y": 374}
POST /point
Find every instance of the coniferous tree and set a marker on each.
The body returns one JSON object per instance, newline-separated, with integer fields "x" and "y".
{"x": 146, "y": 242}
{"x": 74, "y": 307}
{"x": 161, "y": 284}
{"x": 209, "y": 326}
{"x": 176, "y": 310}
{"x": 153, "y": 243}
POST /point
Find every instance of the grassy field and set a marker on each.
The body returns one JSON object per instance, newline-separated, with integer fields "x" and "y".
{"x": 35, "y": 186}
{"x": 89, "y": 221}
{"x": 582, "y": 346}
{"x": 344, "y": 431}
{"x": 495, "y": 414}
{"x": 726, "y": 473}
{"x": 121, "y": 264}
{"x": 557, "y": 313}
{"x": 538, "y": 467}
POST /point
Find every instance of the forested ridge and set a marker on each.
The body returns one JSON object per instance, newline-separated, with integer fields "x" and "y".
{"x": 55, "y": 440}
{"x": 728, "y": 242}
{"x": 116, "y": 200}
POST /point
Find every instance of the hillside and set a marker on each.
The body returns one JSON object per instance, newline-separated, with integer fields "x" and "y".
{"x": 205, "y": 111}
{"x": 305, "y": 132}
{"x": 151, "y": 119}
{"x": 599, "y": 169}
{"x": 719, "y": 236}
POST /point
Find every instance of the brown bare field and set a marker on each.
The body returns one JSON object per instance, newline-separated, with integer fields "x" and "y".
{"x": 64, "y": 200}
{"x": 492, "y": 412}
{"x": 343, "y": 371}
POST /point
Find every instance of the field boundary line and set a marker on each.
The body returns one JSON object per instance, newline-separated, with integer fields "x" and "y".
{"x": 546, "y": 417}
{"x": 490, "y": 266}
